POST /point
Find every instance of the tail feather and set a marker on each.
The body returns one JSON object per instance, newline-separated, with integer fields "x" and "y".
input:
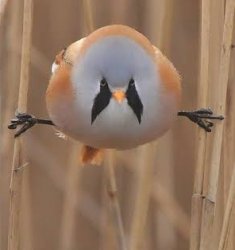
{"x": 90, "y": 155}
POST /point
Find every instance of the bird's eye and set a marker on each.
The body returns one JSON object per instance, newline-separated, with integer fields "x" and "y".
{"x": 131, "y": 82}
{"x": 103, "y": 82}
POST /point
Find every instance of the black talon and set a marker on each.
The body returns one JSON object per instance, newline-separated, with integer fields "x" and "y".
{"x": 209, "y": 124}
{"x": 201, "y": 117}
{"x": 12, "y": 126}
{"x": 25, "y": 127}
{"x": 207, "y": 111}
{"x": 27, "y": 121}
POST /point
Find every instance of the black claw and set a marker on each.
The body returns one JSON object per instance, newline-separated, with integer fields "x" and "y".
{"x": 201, "y": 117}
{"x": 210, "y": 124}
{"x": 27, "y": 121}
{"x": 12, "y": 126}
{"x": 25, "y": 127}
{"x": 203, "y": 111}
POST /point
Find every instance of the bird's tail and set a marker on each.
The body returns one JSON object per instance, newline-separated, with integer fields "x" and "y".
{"x": 90, "y": 155}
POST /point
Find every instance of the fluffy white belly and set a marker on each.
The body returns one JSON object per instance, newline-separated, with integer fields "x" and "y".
{"x": 116, "y": 126}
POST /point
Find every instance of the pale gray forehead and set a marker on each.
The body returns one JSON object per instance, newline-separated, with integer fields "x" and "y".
{"x": 117, "y": 57}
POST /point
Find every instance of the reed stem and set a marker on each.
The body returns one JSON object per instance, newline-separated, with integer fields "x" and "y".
{"x": 209, "y": 203}
{"x": 143, "y": 190}
{"x": 18, "y": 161}
{"x": 227, "y": 223}
{"x": 201, "y": 152}
{"x": 112, "y": 194}
{"x": 3, "y": 4}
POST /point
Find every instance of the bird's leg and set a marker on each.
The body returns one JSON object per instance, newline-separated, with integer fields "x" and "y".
{"x": 27, "y": 121}
{"x": 202, "y": 117}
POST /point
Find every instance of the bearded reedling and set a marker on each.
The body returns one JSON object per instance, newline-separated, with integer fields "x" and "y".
{"x": 113, "y": 89}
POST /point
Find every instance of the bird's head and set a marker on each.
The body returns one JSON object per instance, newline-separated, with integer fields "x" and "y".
{"x": 115, "y": 67}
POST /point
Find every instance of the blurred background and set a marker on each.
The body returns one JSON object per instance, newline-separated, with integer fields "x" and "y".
{"x": 66, "y": 206}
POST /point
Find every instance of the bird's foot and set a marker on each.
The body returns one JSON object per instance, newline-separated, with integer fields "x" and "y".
{"x": 202, "y": 117}
{"x": 26, "y": 121}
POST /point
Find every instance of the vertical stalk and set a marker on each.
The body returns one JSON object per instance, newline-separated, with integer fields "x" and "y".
{"x": 209, "y": 204}
{"x": 88, "y": 14}
{"x": 201, "y": 153}
{"x": 143, "y": 191}
{"x": 3, "y": 4}
{"x": 112, "y": 194}
{"x": 6, "y": 147}
{"x": 18, "y": 162}
{"x": 227, "y": 223}
{"x": 71, "y": 196}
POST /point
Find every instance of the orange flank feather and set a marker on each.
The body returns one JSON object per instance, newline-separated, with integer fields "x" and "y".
{"x": 169, "y": 75}
{"x": 60, "y": 84}
{"x": 90, "y": 155}
{"x": 60, "y": 87}
{"x": 60, "y": 92}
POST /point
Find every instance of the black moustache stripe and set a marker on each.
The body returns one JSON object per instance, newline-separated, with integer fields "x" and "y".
{"x": 101, "y": 101}
{"x": 134, "y": 101}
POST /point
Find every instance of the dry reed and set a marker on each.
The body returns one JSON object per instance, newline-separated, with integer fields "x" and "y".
{"x": 87, "y": 6}
{"x": 197, "y": 198}
{"x": 112, "y": 194}
{"x": 228, "y": 222}
{"x": 3, "y": 4}
{"x": 208, "y": 210}
{"x": 18, "y": 162}
{"x": 209, "y": 202}
{"x": 143, "y": 187}
{"x": 71, "y": 197}
{"x": 221, "y": 96}
{"x": 6, "y": 147}
{"x": 228, "y": 157}
{"x": 26, "y": 234}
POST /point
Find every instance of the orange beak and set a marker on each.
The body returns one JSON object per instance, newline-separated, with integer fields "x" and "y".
{"x": 119, "y": 95}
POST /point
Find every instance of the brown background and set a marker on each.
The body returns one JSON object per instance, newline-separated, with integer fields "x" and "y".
{"x": 55, "y": 215}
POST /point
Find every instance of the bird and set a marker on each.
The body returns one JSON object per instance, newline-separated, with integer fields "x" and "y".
{"x": 113, "y": 89}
